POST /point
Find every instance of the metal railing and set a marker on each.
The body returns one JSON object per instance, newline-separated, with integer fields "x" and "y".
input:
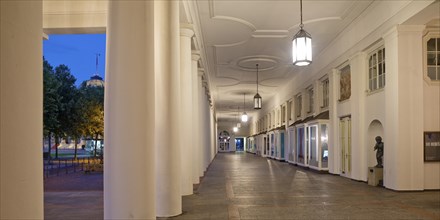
{"x": 61, "y": 166}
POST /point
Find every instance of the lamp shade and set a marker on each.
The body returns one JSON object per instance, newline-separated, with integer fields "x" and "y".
{"x": 302, "y": 48}
{"x": 257, "y": 101}
{"x": 235, "y": 129}
{"x": 244, "y": 117}
{"x": 238, "y": 125}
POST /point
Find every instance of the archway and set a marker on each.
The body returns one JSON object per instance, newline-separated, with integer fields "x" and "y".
{"x": 374, "y": 129}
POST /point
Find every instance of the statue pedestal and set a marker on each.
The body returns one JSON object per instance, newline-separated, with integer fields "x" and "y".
{"x": 375, "y": 175}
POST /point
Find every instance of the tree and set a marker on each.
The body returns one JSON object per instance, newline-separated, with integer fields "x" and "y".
{"x": 51, "y": 103}
{"x": 93, "y": 110}
{"x": 67, "y": 91}
{"x": 75, "y": 130}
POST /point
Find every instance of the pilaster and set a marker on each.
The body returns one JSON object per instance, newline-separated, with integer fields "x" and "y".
{"x": 403, "y": 151}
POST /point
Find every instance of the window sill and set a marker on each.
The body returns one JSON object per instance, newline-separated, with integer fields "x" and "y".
{"x": 369, "y": 92}
{"x": 431, "y": 82}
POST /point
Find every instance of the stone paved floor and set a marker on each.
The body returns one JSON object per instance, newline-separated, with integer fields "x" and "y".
{"x": 244, "y": 186}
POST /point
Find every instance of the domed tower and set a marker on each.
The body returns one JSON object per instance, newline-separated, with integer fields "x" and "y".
{"x": 95, "y": 80}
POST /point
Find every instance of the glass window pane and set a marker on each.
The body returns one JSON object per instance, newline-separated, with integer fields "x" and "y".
{"x": 438, "y": 58}
{"x": 380, "y": 69}
{"x": 431, "y": 59}
{"x": 374, "y": 59}
{"x": 381, "y": 81}
{"x": 432, "y": 73}
{"x": 430, "y": 45}
{"x": 380, "y": 56}
{"x": 438, "y": 73}
{"x": 438, "y": 44}
{"x": 374, "y": 83}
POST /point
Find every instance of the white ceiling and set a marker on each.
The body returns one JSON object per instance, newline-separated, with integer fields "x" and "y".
{"x": 239, "y": 34}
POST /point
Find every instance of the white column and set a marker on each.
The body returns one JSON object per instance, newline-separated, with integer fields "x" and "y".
{"x": 212, "y": 135}
{"x": 200, "y": 133}
{"x": 21, "y": 110}
{"x": 196, "y": 117}
{"x": 206, "y": 132}
{"x": 358, "y": 68}
{"x": 186, "y": 109}
{"x": 167, "y": 107}
{"x": 129, "y": 186}
{"x": 403, "y": 141}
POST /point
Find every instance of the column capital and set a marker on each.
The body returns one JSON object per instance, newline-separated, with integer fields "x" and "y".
{"x": 186, "y": 30}
{"x": 201, "y": 72}
{"x": 195, "y": 55}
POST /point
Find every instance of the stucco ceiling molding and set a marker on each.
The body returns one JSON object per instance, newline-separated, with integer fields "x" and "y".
{"x": 248, "y": 63}
{"x": 226, "y": 81}
{"x": 222, "y": 17}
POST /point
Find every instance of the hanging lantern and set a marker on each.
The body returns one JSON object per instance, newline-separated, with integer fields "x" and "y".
{"x": 302, "y": 45}
{"x": 258, "y": 101}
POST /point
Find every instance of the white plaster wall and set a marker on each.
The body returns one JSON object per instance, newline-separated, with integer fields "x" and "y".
{"x": 431, "y": 119}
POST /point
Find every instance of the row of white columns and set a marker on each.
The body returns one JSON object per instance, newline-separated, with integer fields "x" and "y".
{"x": 156, "y": 66}
{"x": 158, "y": 123}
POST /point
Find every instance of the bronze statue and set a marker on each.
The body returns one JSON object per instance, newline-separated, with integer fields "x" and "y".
{"x": 379, "y": 152}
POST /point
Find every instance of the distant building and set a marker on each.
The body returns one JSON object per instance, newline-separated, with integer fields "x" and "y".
{"x": 95, "y": 80}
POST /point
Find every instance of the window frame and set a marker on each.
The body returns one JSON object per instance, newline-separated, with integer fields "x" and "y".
{"x": 378, "y": 65}
{"x": 325, "y": 99}
{"x": 311, "y": 99}
{"x": 429, "y": 35}
{"x": 298, "y": 105}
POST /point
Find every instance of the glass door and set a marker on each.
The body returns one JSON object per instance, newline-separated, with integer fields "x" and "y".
{"x": 345, "y": 145}
{"x": 300, "y": 156}
{"x": 282, "y": 144}
{"x": 313, "y": 146}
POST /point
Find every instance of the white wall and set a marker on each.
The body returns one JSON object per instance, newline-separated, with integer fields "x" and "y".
{"x": 431, "y": 119}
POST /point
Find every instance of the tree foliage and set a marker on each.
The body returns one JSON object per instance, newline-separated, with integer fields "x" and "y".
{"x": 51, "y": 102}
{"x": 93, "y": 105}
{"x": 69, "y": 111}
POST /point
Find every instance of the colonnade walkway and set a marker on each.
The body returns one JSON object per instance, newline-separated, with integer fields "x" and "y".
{"x": 245, "y": 186}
